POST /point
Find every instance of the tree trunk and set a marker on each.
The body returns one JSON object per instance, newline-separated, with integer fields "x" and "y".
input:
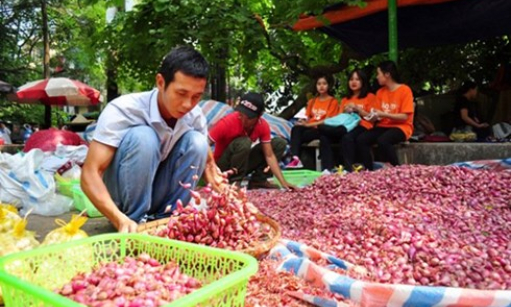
{"x": 295, "y": 107}
{"x": 219, "y": 76}
{"x": 112, "y": 88}
{"x": 46, "y": 61}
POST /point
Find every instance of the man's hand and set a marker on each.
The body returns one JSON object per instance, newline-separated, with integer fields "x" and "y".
{"x": 484, "y": 125}
{"x": 214, "y": 176}
{"x": 289, "y": 186}
{"x": 126, "y": 225}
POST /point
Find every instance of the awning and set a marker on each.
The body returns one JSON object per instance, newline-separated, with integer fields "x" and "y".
{"x": 421, "y": 23}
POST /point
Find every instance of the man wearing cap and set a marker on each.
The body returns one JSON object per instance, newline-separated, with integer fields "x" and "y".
{"x": 235, "y": 137}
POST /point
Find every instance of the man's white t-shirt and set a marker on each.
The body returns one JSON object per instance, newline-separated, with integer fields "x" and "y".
{"x": 139, "y": 109}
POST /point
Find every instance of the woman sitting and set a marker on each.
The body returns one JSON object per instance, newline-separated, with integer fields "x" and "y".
{"x": 465, "y": 110}
{"x": 322, "y": 106}
{"x": 392, "y": 115}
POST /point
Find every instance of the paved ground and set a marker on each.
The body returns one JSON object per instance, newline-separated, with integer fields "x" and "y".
{"x": 44, "y": 224}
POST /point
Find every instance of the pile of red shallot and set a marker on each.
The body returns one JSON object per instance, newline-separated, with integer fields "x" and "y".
{"x": 229, "y": 221}
{"x": 136, "y": 282}
{"x": 417, "y": 225}
{"x": 272, "y": 288}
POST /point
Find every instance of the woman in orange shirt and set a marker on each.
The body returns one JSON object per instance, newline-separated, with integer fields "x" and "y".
{"x": 322, "y": 106}
{"x": 393, "y": 117}
{"x": 358, "y": 100}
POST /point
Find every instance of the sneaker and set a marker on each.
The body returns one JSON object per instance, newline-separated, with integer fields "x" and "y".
{"x": 295, "y": 163}
{"x": 262, "y": 185}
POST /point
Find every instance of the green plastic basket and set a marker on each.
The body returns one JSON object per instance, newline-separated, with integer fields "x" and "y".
{"x": 65, "y": 186}
{"x": 82, "y": 202}
{"x": 29, "y": 278}
{"x": 299, "y": 178}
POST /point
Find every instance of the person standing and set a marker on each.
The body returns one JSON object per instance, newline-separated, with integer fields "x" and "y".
{"x": 147, "y": 145}
{"x": 393, "y": 117}
{"x": 243, "y": 143}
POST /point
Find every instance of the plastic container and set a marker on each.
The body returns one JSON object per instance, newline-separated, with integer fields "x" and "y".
{"x": 65, "y": 186}
{"x": 82, "y": 202}
{"x": 29, "y": 278}
{"x": 299, "y": 178}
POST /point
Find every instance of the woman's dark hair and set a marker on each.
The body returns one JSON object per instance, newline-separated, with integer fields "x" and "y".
{"x": 466, "y": 86}
{"x": 391, "y": 68}
{"x": 364, "y": 80}
{"x": 186, "y": 60}
{"x": 329, "y": 80}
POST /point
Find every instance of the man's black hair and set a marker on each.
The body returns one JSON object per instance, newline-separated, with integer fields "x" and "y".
{"x": 186, "y": 60}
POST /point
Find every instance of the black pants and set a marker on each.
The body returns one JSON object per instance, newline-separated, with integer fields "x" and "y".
{"x": 385, "y": 138}
{"x": 482, "y": 133}
{"x": 329, "y": 135}
{"x": 300, "y": 135}
{"x": 247, "y": 159}
{"x": 349, "y": 147}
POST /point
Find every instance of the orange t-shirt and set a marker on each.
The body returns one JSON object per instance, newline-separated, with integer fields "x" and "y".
{"x": 365, "y": 103}
{"x": 397, "y": 102}
{"x": 317, "y": 110}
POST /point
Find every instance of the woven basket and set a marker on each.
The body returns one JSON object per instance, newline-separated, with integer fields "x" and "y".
{"x": 261, "y": 248}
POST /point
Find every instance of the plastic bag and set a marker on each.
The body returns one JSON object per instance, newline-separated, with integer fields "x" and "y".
{"x": 348, "y": 120}
{"x": 8, "y": 218}
{"x": 18, "y": 239}
{"x": 67, "y": 232}
{"x": 73, "y": 173}
{"x": 9, "y": 207}
{"x": 79, "y": 257}
{"x": 501, "y": 130}
{"x": 22, "y": 179}
{"x": 463, "y": 136}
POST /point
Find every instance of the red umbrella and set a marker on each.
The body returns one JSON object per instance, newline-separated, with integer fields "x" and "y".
{"x": 57, "y": 91}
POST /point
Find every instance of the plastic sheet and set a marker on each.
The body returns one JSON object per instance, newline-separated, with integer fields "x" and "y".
{"x": 494, "y": 165}
{"x": 299, "y": 259}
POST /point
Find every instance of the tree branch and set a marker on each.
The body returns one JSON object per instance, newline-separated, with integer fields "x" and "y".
{"x": 284, "y": 58}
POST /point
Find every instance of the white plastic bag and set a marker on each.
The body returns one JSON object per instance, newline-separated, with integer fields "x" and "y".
{"x": 22, "y": 181}
{"x": 501, "y": 130}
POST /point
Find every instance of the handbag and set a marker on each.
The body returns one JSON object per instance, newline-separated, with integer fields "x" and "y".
{"x": 348, "y": 120}
{"x": 501, "y": 130}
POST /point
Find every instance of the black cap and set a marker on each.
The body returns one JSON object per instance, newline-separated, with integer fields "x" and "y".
{"x": 251, "y": 104}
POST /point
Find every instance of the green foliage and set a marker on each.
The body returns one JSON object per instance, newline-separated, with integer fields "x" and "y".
{"x": 251, "y": 39}
{"x": 26, "y": 113}
{"x": 76, "y": 43}
{"x": 442, "y": 69}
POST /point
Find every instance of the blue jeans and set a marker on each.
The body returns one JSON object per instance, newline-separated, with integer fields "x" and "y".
{"x": 142, "y": 185}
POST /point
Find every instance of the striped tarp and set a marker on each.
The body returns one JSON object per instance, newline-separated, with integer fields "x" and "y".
{"x": 494, "y": 165}
{"x": 299, "y": 259}
{"x": 215, "y": 110}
